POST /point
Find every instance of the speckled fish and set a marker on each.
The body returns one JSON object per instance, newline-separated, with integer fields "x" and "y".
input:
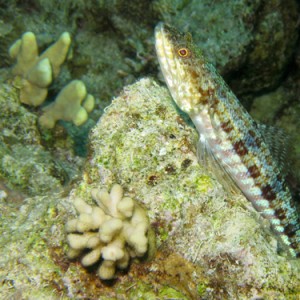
{"x": 228, "y": 134}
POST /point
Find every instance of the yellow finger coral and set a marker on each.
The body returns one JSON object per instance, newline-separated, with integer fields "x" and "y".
{"x": 115, "y": 230}
{"x": 37, "y": 72}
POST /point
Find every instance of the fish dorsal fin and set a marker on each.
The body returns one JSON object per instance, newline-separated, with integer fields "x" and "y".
{"x": 213, "y": 166}
{"x": 277, "y": 141}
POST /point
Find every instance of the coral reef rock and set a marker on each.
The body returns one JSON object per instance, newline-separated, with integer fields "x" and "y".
{"x": 25, "y": 163}
{"x": 210, "y": 245}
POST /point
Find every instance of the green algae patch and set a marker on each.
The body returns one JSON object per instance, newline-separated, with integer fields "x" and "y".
{"x": 142, "y": 291}
{"x": 201, "y": 289}
{"x": 168, "y": 292}
{"x": 203, "y": 183}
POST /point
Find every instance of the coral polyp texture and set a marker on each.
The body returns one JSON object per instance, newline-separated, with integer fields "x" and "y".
{"x": 115, "y": 230}
{"x": 37, "y": 72}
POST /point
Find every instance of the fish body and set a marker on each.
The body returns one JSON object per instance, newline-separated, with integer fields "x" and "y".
{"x": 227, "y": 132}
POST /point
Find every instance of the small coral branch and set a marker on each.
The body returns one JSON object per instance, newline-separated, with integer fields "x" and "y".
{"x": 71, "y": 104}
{"x": 115, "y": 230}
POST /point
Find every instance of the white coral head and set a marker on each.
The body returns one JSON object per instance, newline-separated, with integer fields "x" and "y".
{"x": 115, "y": 230}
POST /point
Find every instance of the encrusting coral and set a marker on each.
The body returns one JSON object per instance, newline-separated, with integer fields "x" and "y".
{"x": 67, "y": 105}
{"x": 115, "y": 230}
{"x": 37, "y": 72}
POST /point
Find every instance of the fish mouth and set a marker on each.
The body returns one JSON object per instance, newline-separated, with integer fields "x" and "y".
{"x": 163, "y": 41}
{"x": 165, "y": 54}
{"x": 159, "y": 27}
{"x": 160, "y": 41}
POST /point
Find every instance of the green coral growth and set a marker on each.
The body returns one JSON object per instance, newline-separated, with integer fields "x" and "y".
{"x": 142, "y": 291}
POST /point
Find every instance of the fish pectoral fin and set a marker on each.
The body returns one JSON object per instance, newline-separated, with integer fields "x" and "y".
{"x": 215, "y": 168}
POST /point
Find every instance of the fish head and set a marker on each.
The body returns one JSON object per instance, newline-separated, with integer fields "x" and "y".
{"x": 184, "y": 68}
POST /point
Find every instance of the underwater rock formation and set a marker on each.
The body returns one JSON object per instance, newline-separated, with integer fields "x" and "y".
{"x": 210, "y": 245}
{"x": 219, "y": 232}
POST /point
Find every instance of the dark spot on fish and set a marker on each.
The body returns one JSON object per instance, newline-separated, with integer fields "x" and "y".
{"x": 226, "y": 126}
{"x": 254, "y": 171}
{"x": 252, "y": 133}
{"x": 268, "y": 192}
{"x": 213, "y": 103}
{"x": 289, "y": 230}
{"x": 240, "y": 148}
{"x": 204, "y": 100}
{"x": 206, "y": 96}
{"x": 255, "y": 138}
{"x": 258, "y": 142}
{"x": 210, "y": 92}
{"x": 194, "y": 74}
{"x": 282, "y": 182}
{"x": 280, "y": 213}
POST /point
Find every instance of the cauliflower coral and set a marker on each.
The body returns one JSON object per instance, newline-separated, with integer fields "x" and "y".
{"x": 115, "y": 230}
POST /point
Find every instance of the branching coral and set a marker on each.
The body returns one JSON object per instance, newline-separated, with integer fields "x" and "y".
{"x": 37, "y": 73}
{"x": 67, "y": 105}
{"x": 115, "y": 230}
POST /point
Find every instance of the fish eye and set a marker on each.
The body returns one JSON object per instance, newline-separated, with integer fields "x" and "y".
{"x": 183, "y": 52}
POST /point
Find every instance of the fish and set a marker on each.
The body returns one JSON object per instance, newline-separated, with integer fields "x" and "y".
{"x": 229, "y": 138}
